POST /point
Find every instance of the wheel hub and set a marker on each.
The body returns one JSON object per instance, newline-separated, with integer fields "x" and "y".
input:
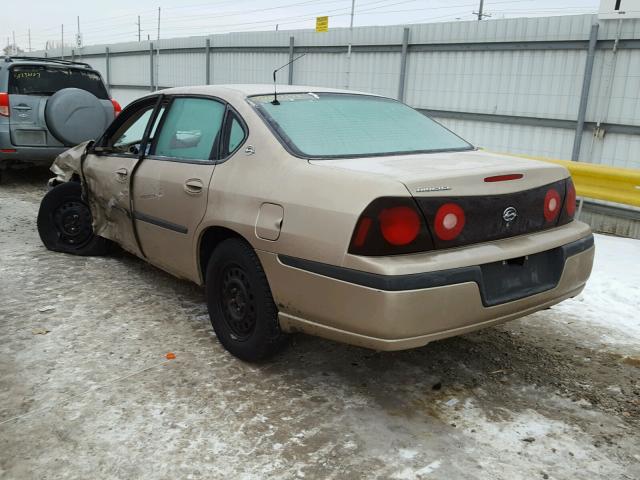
{"x": 237, "y": 301}
{"x": 73, "y": 222}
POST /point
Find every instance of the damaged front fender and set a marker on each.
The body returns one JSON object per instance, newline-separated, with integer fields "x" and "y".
{"x": 69, "y": 163}
{"x": 108, "y": 198}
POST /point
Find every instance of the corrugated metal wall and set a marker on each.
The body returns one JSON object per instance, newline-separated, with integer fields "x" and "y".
{"x": 508, "y": 85}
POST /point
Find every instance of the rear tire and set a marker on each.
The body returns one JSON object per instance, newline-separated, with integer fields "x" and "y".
{"x": 65, "y": 222}
{"x": 243, "y": 313}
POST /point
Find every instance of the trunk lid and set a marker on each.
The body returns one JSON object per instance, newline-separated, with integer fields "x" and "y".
{"x": 454, "y": 173}
{"x": 487, "y": 209}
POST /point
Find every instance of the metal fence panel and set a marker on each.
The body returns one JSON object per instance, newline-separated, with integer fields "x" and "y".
{"x": 512, "y": 85}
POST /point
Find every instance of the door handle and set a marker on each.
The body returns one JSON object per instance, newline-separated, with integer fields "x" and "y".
{"x": 22, "y": 107}
{"x": 121, "y": 174}
{"x": 193, "y": 186}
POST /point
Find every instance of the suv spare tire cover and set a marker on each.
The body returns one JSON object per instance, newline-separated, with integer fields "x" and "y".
{"x": 74, "y": 116}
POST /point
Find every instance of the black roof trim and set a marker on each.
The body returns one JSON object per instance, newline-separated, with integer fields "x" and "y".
{"x": 11, "y": 58}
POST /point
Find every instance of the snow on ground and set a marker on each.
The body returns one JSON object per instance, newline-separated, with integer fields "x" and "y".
{"x": 611, "y": 299}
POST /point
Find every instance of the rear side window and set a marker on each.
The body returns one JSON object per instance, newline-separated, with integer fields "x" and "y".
{"x": 236, "y": 136}
{"x": 44, "y": 80}
{"x": 191, "y": 129}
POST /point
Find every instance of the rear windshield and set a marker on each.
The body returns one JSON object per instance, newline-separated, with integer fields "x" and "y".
{"x": 44, "y": 80}
{"x": 333, "y": 125}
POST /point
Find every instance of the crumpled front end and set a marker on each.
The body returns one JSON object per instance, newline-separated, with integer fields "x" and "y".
{"x": 107, "y": 206}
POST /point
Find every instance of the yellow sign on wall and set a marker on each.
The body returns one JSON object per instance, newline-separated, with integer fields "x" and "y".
{"x": 322, "y": 24}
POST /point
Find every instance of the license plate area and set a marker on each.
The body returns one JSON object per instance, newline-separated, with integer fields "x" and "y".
{"x": 520, "y": 277}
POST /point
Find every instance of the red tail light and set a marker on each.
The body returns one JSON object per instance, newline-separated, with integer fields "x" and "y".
{"x": 116, "y": 107}
{"x": 4, "y": 104}
{"x": 390, "y": 226}
{"x": 399, "y": 225}
{"x": 449, "y": 221}
{"x": 552, "y": 205}
{"x": 570, "y": 201}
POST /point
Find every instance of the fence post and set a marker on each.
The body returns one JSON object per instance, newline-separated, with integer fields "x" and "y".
{"x": 107, "y": 62}
{"x": 151, "y": 66}
{"x": 73, "y": 55}
{"x": 291, "y": 43}
{"x": 584, "y": 96}
{"x": 207, "y": 53}
{"x": 403, "y": 64}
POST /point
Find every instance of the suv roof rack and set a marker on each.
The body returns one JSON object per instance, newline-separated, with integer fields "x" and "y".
{"x": 10, "y": 58}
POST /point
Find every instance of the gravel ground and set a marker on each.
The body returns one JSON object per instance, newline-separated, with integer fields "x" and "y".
{"x": 86, "y": 390}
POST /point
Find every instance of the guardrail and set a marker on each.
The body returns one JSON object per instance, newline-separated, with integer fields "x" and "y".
{"x": 600, "y": 182}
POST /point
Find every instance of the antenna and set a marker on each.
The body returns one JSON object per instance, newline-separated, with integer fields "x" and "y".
{"x": 275, "y": 92}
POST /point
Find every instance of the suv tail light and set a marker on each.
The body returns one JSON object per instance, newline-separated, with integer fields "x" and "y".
{"x": 4, "y": 104}
{"x": 116, "y": 107}
{"x": 389, "y": 226}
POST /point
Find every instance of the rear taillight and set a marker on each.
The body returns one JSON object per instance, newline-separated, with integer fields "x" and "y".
{"x": 449, "y": 221}
{"x": 4, "y": 104}
{"x": 552, "y": 205}
{"x": 116, "y": 107}
{"x": 570, "y": 201}
{"x": 389, "y": 226}
{"x": 400, "y": 225}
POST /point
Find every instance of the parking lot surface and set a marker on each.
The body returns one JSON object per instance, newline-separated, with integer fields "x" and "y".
{"x": 86, "y": 390}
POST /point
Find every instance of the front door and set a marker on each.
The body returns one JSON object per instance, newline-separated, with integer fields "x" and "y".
{"x": 108, "y": 173}
{"x": 171, "y": 185}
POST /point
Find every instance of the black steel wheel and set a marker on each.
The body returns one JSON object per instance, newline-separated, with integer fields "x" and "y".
{"x": 237, "y": 302}
{"x": 72, "y": 221}
{"x": 241, "y": 307}
{"x": 65, "y": 223}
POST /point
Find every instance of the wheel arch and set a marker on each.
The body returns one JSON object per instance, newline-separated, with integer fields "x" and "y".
{"x": 209, "y": 239}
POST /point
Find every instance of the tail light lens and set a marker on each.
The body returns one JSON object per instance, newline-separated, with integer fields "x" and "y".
{"x": 570, "y": 200}
{"x": 449, "y": 221}
{"x": 399, "y": 225}
{"x": 4, "y": 104}
{"x": 389, "y": 226}
{"x": 552, "y": 205}
{"x": 116, "y": 107}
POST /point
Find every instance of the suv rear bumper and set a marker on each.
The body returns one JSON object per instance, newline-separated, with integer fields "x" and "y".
{"x": 417, "y": 309}
{"x": 30, "y": 155}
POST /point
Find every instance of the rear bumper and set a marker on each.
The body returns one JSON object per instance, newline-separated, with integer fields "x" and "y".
{"x": 396, "y": 312}
{"x": 30, "y": 155}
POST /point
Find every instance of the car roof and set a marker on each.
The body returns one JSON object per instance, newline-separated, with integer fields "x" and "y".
{"x": 247, "y": 90}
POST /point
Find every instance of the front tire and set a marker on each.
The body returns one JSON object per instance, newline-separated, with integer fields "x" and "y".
{"x": 65, "y": 222}
{"x": 242, "y": 311}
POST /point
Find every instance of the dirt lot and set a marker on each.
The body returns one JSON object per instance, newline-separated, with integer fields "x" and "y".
{"x": 86, "y": 391}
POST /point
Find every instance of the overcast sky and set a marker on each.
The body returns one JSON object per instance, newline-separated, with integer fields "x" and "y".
{"x": 115, "y": 20}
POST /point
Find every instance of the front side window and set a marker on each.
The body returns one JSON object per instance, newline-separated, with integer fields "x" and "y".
{"x": 45, "y": 80}
{"x": 330, "y": 125}
{"x": 191, "y": 129}
{"x": 128, "y": 138}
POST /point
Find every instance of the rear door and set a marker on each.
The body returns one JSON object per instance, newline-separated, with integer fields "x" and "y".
{"x": 108, "y": 171}
{"x": 171, "y": 185}
{"x": 30, "y": 86}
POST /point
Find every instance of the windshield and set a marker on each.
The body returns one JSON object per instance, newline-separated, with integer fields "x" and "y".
{"x": 45, "y": 80}
{"x": 334, "y": 125}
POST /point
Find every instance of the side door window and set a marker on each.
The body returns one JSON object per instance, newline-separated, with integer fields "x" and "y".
{"x": 127, "y": 139}
{"x": 191, "y": 130}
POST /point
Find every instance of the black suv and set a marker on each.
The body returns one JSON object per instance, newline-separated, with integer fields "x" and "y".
{"x": 48, "y": 105}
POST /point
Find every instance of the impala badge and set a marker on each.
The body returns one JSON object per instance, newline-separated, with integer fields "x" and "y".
{"x": 432, "y": 189}
{"x": 509, "y": 214}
